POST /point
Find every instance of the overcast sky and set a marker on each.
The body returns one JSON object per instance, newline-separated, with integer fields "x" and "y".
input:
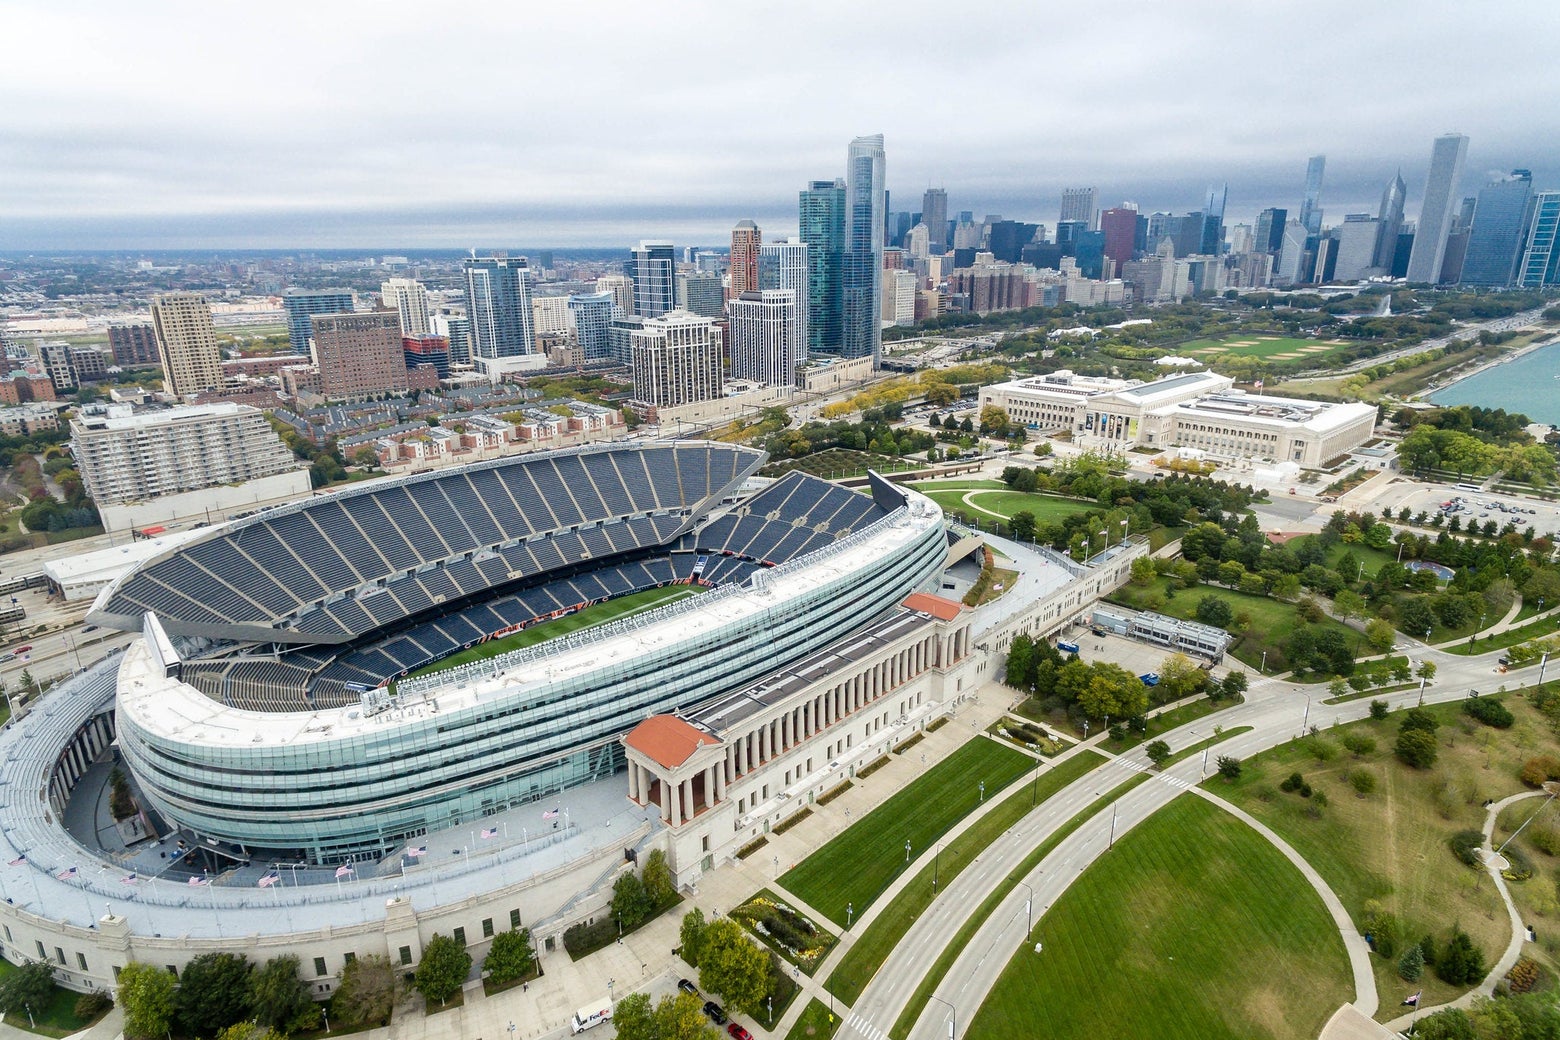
{"x": 490, "y": 124}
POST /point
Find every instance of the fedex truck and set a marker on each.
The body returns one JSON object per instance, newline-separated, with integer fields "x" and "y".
{"x": 590, "y": 1016}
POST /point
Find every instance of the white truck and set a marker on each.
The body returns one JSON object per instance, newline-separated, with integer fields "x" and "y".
{"x": 589, "y": 1017}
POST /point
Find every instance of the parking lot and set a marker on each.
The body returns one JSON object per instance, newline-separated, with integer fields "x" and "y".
{"x": 1477, "y": 506}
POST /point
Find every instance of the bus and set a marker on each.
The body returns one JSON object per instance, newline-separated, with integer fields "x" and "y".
{"x": 589, "y": 1017}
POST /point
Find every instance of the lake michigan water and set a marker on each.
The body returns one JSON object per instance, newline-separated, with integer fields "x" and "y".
{"x": 1530, "y": 385}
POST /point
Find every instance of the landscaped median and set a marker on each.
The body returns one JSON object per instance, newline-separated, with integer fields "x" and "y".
{"x": 872, "y": 947}
{"x": 847, "y": 874}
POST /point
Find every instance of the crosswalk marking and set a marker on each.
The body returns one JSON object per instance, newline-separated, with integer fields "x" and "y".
{"x": 865, "y": 1028}
{"x": 1142, "y": 767}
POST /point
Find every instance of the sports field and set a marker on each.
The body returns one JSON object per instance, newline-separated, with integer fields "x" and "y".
{"x": 1193, "y": 927}
{"x": 600, "y": 614}
{"x": 1257, "y": 345}
{"x": 853, "y": 869}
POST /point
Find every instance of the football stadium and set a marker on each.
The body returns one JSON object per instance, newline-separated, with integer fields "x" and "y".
{"x": 336, "y": 740}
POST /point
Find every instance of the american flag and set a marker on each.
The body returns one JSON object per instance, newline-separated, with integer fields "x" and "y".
{"x": 549, "y": 814}
{"x": 1412, "y": 1001}
{"x": 270, "y": 879}
{"x": 345, "y": 870}
{"x": 18, "y": 861}
{"x": 417, "y": 850}
{"x": 489, "y": 832}
{"x": 200, "y": 881}
{"x": 1257, "y": 385}
{"x": 129, "y": 879}
{"x": 66, "y": 875}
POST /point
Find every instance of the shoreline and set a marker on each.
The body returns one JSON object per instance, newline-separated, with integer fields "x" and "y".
{"x": 1485, "y": 366}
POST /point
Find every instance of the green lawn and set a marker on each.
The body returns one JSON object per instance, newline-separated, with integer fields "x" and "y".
{"x": 1547, "y": 626}
{"x": 872, "y": 948}
{"x": 1260, "y": 345}
{"x": 1159, "y": 720}
{"x": 855, "y": 867}
{"x": 988, "y": 501}
{"x": 1194, "y": 926}
{"x": 928, "y": 486}
{"x": 1271, "y": 621}
{"x": 816, "y": 1021}
{"x": 600, "y": 614}
{"x": 56, "y": 1018}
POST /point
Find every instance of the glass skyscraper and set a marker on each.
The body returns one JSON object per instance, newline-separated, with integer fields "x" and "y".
{"x": 821, "y": 215}
{"x": 498, "y": 304}
{"x": 1311, "y": 207}
{"x": 655, "y": 279}
{"x": 1500, "y": 223}
{"x": 302, "y": 305}
{"x": 860, "y": 277}
{"x": 592, "y": 317}
{"x": 1435, "y": 213}
{"x": 1541, "y": 258}
{"x": 783, "y": 265}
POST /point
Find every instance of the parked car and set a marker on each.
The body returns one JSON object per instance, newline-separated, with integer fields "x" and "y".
{"x": 687, "y": 987}
{"x": 716, "y": 1012}
{"x": 738, "y": 1032}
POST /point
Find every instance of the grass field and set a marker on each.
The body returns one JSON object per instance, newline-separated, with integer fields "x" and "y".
{"x": 1261, "y": 345}
{"x": 855, "y": 867}
{"x": 873, "y": 946}
{"x": 56, "y": 1018}
{"x": 1547, "y": 626}
{"x": 600, "y": 614}
{"x": 1391, "y": 845}
{"x": 1003, "y": 503}
{"x": 1271, "y": 621}
{"x": 1163, "y": 939}
{"x": 816, "y": 1021}
{"x": 1535, "y": 897}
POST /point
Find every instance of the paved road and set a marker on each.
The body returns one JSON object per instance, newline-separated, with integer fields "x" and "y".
{"x": 1515, "y": 321}
{"x": 1275, "y": 709}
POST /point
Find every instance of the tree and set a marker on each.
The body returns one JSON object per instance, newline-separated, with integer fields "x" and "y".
{"x": 510, "y": 957}
{"x": 1211, "y": 610}
{"x": 1143, "y": 571}
{"x": 630, "y": 905}
{"x": 1379, "y": 633}
{"x": 1338, "y": 687}
{"x": 250, "y": 1031}
{"x": 443, "y": 969}
{"x": 941, "y": 395}
{"x": 277, "y": 996}
{"x": 1426, "y": 670}
{"x": 657, "y": 878}
{"x": 1234, "y": 684}
{"x": 993, "y": 419}
{"x": 30, "y": 985}
{"x": 634, "y": 1019}
{"x": 369, "y": 989}
{"x": 1461, "y": 963}
{"x": 364, "y": 457}
{"x": 1179, "y": 677}
{"x": 1229, "y": 767}
{"x": 1379, "y": 710}
{"x": 213, "y": 993}
{"x": 146, "y": 995}
{"x": 692, "y": 935}
{"x": 1416, "y": 747}
{"x": 1412, "y": 964}
{"x": 733, "y": 966}
{"x": 678, "y": 1016}
{"x": 1022, "y": 526}
{"x": 1158, "y": 753}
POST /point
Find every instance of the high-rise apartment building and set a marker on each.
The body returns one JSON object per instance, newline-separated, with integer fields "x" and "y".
{"x": 498, "y": 305}
{"x": 655, "y": 279}
{"x": 783, "y": 265}
{"x": 1269, "y": 236}
{"x": 746, "y": 240}
{"x": 410, "y": 301}
{"x": 1541, "y": 258}
{"x": 1311, "y": 206}
{"x": 763, "y": 336}
{"x": 934, "y": 214}
{"x": 821, "y": 215}
{"x": 1212, "y": 236}
{"x": 1119, "y": 226}
{"x": 1390, "y": 214}
{"x": 677, "y": 360}
{"x": 621, "y": 286}
{"x": 1500, "y": 225}
{"x": 1435, "y": 213}
{"x": 457, "y": 329}
{"x": 550, "y": 315}
{"x": 1078, "y": 204}
{"x": 592, "y": 313}
{"x": 701, "y": 294}
{"x": 133, "y": 344}
{"x": 186, "y": 343}
{"x": 302, "y": 304}
{"x": 899, "y": 288}
{"x": 359, "y": 355}
{"x": 860, "y": 280}
{"x": 427, "y": 350}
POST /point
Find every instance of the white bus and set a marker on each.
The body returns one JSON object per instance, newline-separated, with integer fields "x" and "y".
{"x": 590, "y": 1016}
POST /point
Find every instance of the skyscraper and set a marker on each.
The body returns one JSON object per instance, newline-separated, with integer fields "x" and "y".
{"x": 1435, "y": 213}
{"x": 821, "y": 215}
{"x": 1269, "y": 236}
{"x": 1391, "y": 217}
{"x": 934, "y": 214}
{"x": 655, "y": 279}
{"x": 622, "y": 289}
{"x": 860, "y": 278}
{"x": 1119, "y": 226}
{"x": 1212, "y": 239}
{"x": 783, "y": 265}
{"x": 677, "y": 360}
{"x": 746, "y": 240}
{"x": 359, "y": 355}
{"x": 186, "y": 343}
{"x": 592, "y": 317}
{"x": 410, "y": 301}
{"x": 1078, "y": 205}
{"x": 1500, "y": 224}
{"x": 498, "y": 303}
{"x": 701, "y": 294}
{"x": 1311, "y": 207}
{"x": 303, "y": 304}
{"x": 763, "y": 336}
{"x": 1541, "y": 258}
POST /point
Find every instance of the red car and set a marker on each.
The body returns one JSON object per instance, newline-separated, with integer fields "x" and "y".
{"x": 22, "y": 649}
{"x": 738, "y": 1032}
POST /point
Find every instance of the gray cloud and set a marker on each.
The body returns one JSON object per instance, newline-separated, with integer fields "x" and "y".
{"x": 376, "y": 124}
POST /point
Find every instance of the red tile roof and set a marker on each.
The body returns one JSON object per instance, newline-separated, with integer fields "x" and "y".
{"x": 667, "y": 740}
{"x": 939, "y": 608}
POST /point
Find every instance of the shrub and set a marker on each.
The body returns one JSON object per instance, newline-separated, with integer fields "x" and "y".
{"x": 91, "y": 1005}
{"x": 1382, "y": 927}
{"x": 1292, "y": 783}
{"x": 1362, "y": 782}
{"x": 1466, "y": 845}
{"x": 1545, "y": 838}
{"x": 1461, "y": 963}
{"x": 1536, "y": 770}
{"x": 1416, "y": 747}
{"x": 1420, "y": 719}
{"x": 1158, "y": 752}
{"x": 1489, "y": 711}
{"x": 1378, "y": 709}
{"x": 1518, "y": 866}
{"x": 1358, "y": 744}
{"x": 1319, "y": 749}
{"x": 1523, "y": 975}
{"x": 1412, "y": 964}
{"x": 1229, "y": 767}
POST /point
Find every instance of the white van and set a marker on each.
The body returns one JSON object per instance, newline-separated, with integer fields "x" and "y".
{"x": 590, "y": 1016}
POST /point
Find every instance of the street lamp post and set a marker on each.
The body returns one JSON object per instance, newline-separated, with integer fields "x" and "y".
{"x": 907, "y": 852}
{"x": 953, "y": 1019}
{"x": 1112, "y": 842}
{"x": 1263, "y": 666}
{"x": 1542, "y": 664}
{"x": 980, "y": 802}
{"x": 936, "y": 863}
{"x": 610, "y": 984}
{"x": 1034, "y": 790}
{"x": 850, "y": 912}
{"x": 1306, "y": 718}
{"x": 1029, "y": 910}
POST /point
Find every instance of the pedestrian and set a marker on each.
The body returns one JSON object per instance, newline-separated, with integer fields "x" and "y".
{"x": 525, "y": 987}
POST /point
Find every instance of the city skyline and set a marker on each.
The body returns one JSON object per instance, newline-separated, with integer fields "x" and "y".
{"x": 123, "y": 153}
